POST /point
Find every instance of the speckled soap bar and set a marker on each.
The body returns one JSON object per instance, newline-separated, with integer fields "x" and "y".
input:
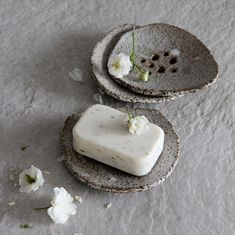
{"x": 102, "y": 134}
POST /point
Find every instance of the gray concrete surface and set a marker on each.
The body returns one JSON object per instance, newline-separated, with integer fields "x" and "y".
{"x": 41, "y": 42}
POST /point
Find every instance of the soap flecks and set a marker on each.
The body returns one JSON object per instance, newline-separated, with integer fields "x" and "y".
{"x": 12, "y": 177}
{"x": 76, "y": 75}
{"x": 97, "y": 97}
{"x": 78, "y": 199}
{"x": 175, "y": 52}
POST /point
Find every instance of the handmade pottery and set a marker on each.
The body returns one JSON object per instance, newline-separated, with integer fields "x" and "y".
{"x": 177, "y": 60}
{"x": 104, "y": 177}
{"x": 102, "y": 78}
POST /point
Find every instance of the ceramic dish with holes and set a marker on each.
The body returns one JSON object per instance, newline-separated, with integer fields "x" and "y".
{"x": 102, "y": 78}
{"x": 104, "y": 177}
{"x": 177, "y": 60}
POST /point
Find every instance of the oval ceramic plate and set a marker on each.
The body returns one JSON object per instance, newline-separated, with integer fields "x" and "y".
{"x": 101, "y": 76}
{"x": 177, "y": 60}
{"x": 104, "y": 177}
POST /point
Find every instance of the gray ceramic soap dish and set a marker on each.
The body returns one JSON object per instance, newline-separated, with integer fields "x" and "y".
{"x": 103, "y": 177}
{"x": 178, "y": 62}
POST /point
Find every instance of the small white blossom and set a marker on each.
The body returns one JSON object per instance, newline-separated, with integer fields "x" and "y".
{"x": 30, "y": 180}
{"x": 62, "y": 206}
{"x": 76, "y": 75}
{"x": 138, "y": 125}
{"x": 119, "y": 65}
{"x": 175, "y": 52}
{"x": 78, "y": 198}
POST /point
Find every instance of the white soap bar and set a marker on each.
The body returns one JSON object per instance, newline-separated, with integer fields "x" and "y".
{"x": 102, "y": 134}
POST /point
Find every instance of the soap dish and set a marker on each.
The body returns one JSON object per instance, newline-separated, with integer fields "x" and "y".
{"x": 177, "y": 60}
{"x": 103, "y": 177}
{"x": 99, "y": 58}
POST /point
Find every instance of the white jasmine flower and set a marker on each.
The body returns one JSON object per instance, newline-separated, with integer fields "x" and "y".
{"x": 62, "y": 206}
{"x": 97, "y": 97}
{"x": 175, "y": 52}
{"x": 30, "y": 180}
{"x": 145, "y": 76}
{"x": 76, "y": 75}
{"x": 137, "y": 125}
{"x": 119, "y": 65}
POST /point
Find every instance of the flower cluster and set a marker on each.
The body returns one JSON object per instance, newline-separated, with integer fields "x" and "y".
{"x": 137, "y": 125}
{"x": 120, "y": 65}
{"x": 62, "y": 205}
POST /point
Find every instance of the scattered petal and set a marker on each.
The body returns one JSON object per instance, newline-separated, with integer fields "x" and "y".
{"x": 62, "y": 206}
{"x": 12, "y": 177}
{"x": 78, "y": 198}
{"x": 60, "y": 159}
{"x": 76, "y": 75}
{"x": 77, "y": 234}
{"x": 175, "y": 52}
{"x": 97, "y": 97}
{"x": 108, "y": 205}
{"x": 47, "y": 172}
{"x": 11, "y": 203}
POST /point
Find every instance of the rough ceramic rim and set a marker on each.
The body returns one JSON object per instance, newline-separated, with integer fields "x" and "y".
{"x": 140, "y": 98}
{"x": 135, "y": 98}
{"x": 113, "y": 189}
{"x": 177, "y": 91}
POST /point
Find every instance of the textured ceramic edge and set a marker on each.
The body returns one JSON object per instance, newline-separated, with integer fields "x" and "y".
{"x": 91, "y": 184}
{"x": 103, "y": 79}
{"x": 152, "y": 92}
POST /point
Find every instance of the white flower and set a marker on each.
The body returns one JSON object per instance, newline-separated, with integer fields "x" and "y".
{"x": 30, "y": 180}
{"x": 138, "y": 125}
{"x": 119, "y": 65}
{"x": 62, "y": 206}
{"x": 145, "y": 76}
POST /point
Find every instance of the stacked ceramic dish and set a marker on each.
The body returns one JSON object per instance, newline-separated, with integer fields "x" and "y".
{"x": 178, "y": 63}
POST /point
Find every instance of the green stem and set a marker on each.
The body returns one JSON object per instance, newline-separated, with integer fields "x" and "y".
{"x": 41, "y": 208}
{"x": 132, "y": 54}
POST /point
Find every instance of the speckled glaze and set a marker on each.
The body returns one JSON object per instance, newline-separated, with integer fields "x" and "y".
{"x": 102, "y": 78}
{"x": 193, "y": 68}
{"x": 104, "y": 177}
